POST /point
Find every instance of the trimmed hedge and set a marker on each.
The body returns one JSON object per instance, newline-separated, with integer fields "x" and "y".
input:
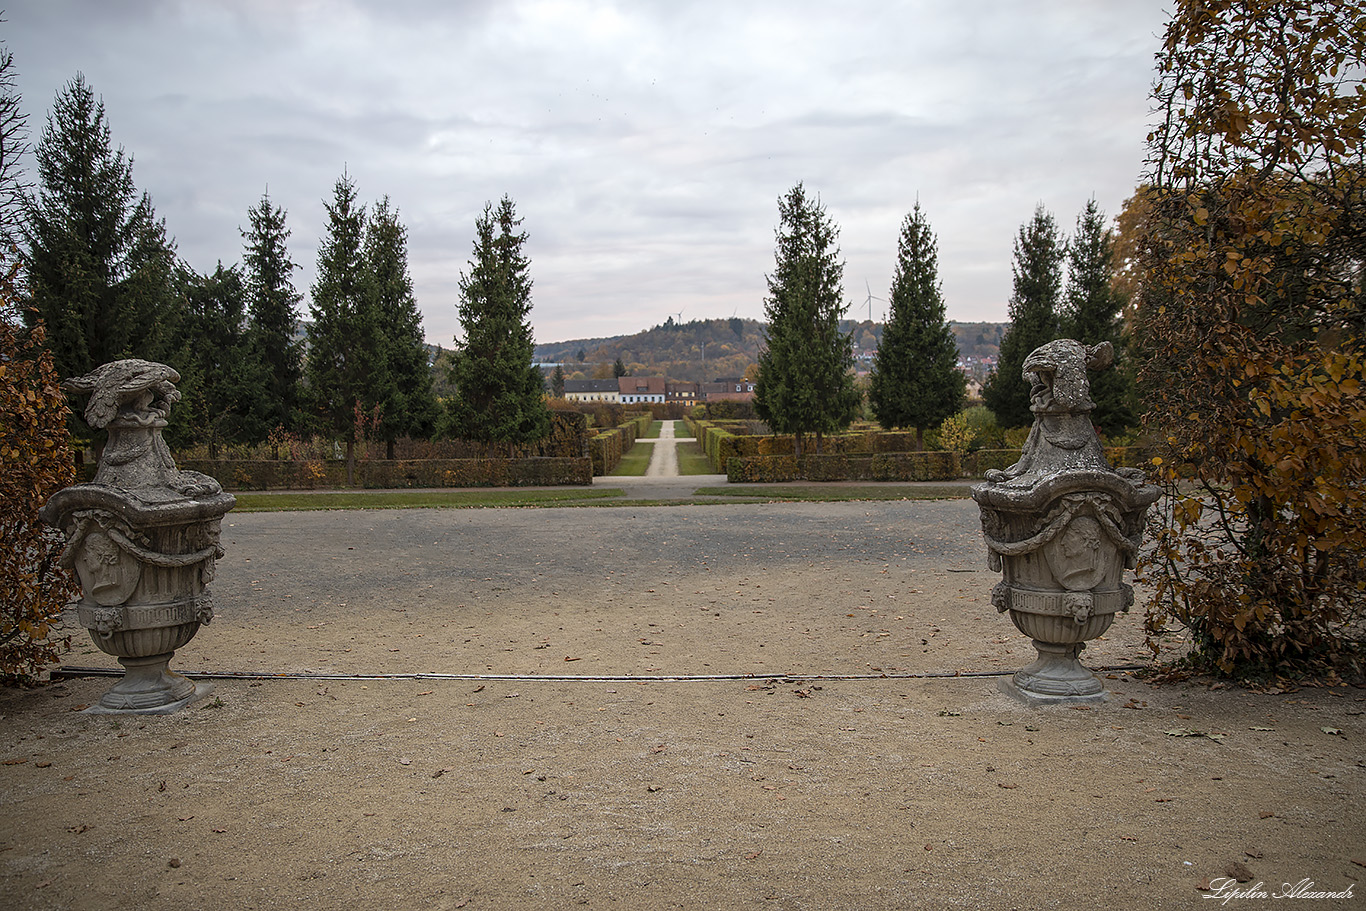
{"x": 890, "y": 466}
{"x": 607, "y": 447}
{"x": 269, "y": 474}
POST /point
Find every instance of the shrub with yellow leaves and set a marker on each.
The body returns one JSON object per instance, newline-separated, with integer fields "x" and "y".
{"x": 1251, "y": 315}
{"x": 35, "y": 462}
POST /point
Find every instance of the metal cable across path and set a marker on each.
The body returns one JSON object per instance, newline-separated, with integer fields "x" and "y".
{"x": 75, "y": 672}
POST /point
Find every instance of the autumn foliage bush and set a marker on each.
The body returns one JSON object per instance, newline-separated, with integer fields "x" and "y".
{"x": 1252, "y": 310}
{"x": 35, "y": 452}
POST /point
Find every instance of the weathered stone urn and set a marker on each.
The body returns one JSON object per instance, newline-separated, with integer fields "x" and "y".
{"x": 1061, "y": 526}
{"x": 142, "y": 538}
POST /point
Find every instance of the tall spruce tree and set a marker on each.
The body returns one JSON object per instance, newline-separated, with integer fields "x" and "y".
{"x": 805, "y": 384}
{"x": 1091, "y": 314}
{"x": 915, "y": 380}
{"x": 218, "y": 383}
{"x": 1039, "y": 253}
{"x": 498, "y": 391}
{"x": 410, "y": 407}
{"x": 347, "y": 368}
{"x": 100, "y": 268}
{"x": 272, "y": 314}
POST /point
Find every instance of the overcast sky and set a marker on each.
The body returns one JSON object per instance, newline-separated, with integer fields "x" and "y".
{"x": 645, "y": 143}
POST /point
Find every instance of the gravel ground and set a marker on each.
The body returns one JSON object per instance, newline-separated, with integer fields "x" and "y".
{"x": 560, "y": 771}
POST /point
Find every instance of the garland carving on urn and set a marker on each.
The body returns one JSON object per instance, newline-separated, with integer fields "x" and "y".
{"x": 142, "y": 538}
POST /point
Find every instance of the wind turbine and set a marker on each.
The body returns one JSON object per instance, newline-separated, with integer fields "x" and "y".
{"x": 870, "y": 299}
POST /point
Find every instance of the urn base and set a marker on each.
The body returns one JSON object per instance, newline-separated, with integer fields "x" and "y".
{"x": 1056, "y": 677}
{"x": 149, "y": 687}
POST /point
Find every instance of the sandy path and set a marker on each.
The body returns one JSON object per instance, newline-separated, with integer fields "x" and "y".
{"x": 533, "y": 791}
{"x": 664, "y": 460}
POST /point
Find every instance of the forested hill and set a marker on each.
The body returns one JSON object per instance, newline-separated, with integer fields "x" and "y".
{"x": 730, "y": 346}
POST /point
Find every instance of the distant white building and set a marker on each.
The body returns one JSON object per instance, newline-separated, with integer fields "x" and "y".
{"x": 642, "y": 388}
{"x": 592, "y": 390}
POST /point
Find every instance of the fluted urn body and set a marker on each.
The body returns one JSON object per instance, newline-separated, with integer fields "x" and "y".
{"x": 1062, "y": 526}
{"x": 142, "y": 538}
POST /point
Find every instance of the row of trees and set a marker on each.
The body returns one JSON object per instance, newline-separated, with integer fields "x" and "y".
{"x": 1089, "y": 309}
{"x": 805, "y": 386}
{"x": 101, "y": 273}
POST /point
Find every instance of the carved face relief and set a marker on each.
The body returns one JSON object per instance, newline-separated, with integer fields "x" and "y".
{"x": 108, "y": 575}
{"x": 1081, "y": 556}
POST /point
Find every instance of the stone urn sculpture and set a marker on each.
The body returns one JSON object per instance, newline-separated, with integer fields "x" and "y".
{"x": 1061, "y": 525}
{"x": 142, "y": 538}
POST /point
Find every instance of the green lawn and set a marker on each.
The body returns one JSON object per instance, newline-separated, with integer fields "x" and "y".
{"x": 417, "y": 499}
{"x": 681, "y": 430}
{"x": 836, "y": 493}
{"x": 692, "y": 460}
{"x": 634, "y": 463}
{"x": 653, "y": 432}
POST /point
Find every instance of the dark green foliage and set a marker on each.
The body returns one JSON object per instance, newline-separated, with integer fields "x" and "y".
{"x": 410, "y": 408}
{"x": 347, "y": 369}
{"x": 557, "y": 382}
{"x": 272, "y": 315}
{"x": 915, "y": 380}
{"x": 498, "y": 391}
{"x": 805, "y": 384}
{"x": 618, "y": 369}
{"x": 100, "y": 268}
{"x": 218, "y": 379}
{"x": 1091, "y": 314}
{"x": 1039, "y": 253}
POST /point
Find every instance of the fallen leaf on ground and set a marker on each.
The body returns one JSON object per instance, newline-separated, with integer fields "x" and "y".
{"x": 1237, "y": 871}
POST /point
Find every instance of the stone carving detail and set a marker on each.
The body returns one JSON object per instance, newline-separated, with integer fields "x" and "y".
{"x": 142, "y": 539}
{"x": 1062, "y": 526}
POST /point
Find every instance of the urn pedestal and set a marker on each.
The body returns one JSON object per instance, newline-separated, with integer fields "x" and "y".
{"x": 142, "y": 540}
{"x": 1061, "y": 526}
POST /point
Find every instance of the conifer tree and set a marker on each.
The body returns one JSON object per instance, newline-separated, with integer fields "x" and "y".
{"x": 915, "y": 380}
{"x": 1039, "y": 253}
{"x": 347, "y": 368}
{"x": 218, "y": 383}
{"x": 100, "y": 268}
{"x": 1091, "y": 314}
{"x": 498, "y": 391}
{"x": 409, "y": 408}
{"x": 557, "y": 382}
{"x": 805, "y": 383}
{"x": 272, "y": 314}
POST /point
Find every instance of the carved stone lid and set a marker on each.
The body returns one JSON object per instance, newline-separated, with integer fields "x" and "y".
{"x": 142, "y": 508}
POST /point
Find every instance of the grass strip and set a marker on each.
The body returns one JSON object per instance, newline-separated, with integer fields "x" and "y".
{"x": 653, "y": 432}
{"x": 692, "y": 460}
{"x": 634, "y": 463}
{"x": 833, "y": 494}
{"x": 418, "y": 499}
